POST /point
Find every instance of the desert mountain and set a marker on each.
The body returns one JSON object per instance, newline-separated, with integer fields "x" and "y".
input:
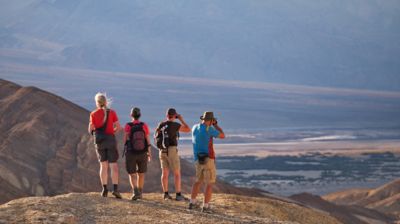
{"x": 45, "y": 148}
{"x": 346, "y": 214}
{"x": 91, "y": 208}
{"x": 385, "y": 199}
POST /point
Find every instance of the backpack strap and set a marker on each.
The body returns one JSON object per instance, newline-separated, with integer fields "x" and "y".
{"x": 103, "y": 128}
{"x": 161, "y": 125}
{"x": 130, "y": 131}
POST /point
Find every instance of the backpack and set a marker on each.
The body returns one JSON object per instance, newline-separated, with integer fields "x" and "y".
{"x": 137, "y": 137}
{"x": 161, "y": 137}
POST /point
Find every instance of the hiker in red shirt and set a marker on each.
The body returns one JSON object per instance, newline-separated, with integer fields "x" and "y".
{"x": 103, "y": 125}
{"x": 137, "y": 152}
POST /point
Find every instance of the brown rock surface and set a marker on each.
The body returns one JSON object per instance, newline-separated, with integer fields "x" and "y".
{"x": 346, "y": 214}
{"x": 91, "y": 208}
{"x": 385, "y": 199}
{"x": 45, "y": 149}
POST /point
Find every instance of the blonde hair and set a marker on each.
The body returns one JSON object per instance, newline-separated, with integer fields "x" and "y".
{"x": 101, "y": 100}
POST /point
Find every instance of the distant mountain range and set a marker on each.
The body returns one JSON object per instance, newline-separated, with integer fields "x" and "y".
{"x": 346, "y": 43}
{"x": 270, "y": 111}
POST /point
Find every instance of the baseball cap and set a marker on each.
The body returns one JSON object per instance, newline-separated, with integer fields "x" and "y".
{"x": 171, "y": 111}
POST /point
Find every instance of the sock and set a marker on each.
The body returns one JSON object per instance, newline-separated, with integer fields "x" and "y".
{"x": 178, "y": 194}
{"x": 105, "y": 187}
{"x": 193, "y": 201}
{"x": 115, "y": 187}
{"x": 166, "y": 193}
{"x": 205, "y": 205}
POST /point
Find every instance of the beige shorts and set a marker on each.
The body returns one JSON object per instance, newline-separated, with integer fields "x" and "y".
{"x": 171, "y": 159}
{"x": 207, "y": 172}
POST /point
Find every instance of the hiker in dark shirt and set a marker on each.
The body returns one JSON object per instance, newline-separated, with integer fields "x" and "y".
{"x": 105, "y": 122}
{"x": 169, "y": 157}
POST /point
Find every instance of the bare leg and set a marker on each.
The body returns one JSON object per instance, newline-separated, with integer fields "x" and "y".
{"x": 140, "y": 181}
{"x": 177, "y": 178}
{"x": 195, "y": 190}
{"x": 164, "y": 179}
{"x": 114, "y": 173}
{"x": 208, "y": 193}
{"x": 104, "y": 172}
{"x": 132, "y": 180}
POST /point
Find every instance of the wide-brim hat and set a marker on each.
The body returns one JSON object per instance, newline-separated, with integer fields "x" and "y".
{"x": 207, "y": 116}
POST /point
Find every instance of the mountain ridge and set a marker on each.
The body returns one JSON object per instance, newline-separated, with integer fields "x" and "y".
{"x": 91, "y": 208}
{"x": 384, "y": 198}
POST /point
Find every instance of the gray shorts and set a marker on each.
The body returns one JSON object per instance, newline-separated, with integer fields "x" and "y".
{"x": 107, "y": 150}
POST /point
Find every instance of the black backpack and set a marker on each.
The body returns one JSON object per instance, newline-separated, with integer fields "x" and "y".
{"x": 161, "y": 137}
{"x": 137, "y": 137}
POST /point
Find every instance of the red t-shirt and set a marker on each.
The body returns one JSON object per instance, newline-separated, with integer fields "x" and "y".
{"x": 211, "y": 152}
{"x": 97, "y": 119}
{"x": 145, "y": 128}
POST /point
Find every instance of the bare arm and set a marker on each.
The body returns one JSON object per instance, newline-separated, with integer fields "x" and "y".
{"x": 149, "y": 147}
{"x": 117, "y": 126}
{"x": 221, "y": 132}
{"x": 91, "y": 128}
{"x": 184, "y": 127}
{"x": 125, "y": 137}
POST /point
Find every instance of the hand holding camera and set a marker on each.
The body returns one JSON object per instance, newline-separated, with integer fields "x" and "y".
{"x": 214, "y": 122}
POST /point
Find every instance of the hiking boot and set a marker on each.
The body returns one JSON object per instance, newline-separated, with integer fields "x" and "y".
{"x": 181, "y": 198}
{"x": 116, "y": 194}
{"x": 193, "y": 206}
{"x": 167, "y": 197}
{"x": 104, "y": 193}
{"x": 136, "y": 197}
{"x": 206, "y": 210}
{"x": 137, "y": 194}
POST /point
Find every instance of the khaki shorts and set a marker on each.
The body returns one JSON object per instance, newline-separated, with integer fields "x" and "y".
{"x": 207, "y": 172}
{"x": 171, "y": 159}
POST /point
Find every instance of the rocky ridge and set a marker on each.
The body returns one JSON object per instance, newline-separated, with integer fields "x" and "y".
{"x": 385, "y": 199}
{"x": 92, "y": 208}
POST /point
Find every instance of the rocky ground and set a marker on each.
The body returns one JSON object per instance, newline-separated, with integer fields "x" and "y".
{"x": 91, "y": 208}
